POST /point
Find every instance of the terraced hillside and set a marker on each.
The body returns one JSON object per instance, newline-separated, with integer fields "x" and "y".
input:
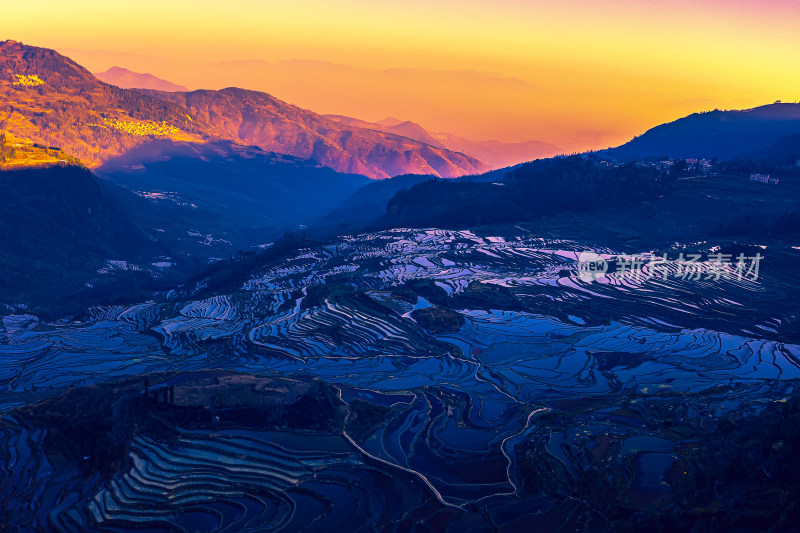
{"x": 459, "y": 382}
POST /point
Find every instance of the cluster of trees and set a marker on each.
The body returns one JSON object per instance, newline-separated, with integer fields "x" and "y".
{"x": 7, "y": 152}
{"x": 578, "y": 182}
{"x": 532, "y": 191}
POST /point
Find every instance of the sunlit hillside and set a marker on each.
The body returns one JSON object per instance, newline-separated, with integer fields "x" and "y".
{"x": 49, "y": 100}
{"x": 16, "y": 152}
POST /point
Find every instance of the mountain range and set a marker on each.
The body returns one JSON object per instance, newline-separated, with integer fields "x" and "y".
{"x": 51, "y": 100}
{"x": 240, "y": 194}
{"x": 496, "y": 154}
{"x": 250, "y": 117}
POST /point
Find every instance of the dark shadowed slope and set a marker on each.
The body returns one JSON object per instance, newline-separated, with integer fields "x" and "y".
{"x": 58, "y": 226}
{"x": 368, "y": 203}
{"x": 69, "y": 239}
{"x": 786, "y": 151}
{"x": 720, "y": 134}
{"x": 230, "y": 189}
{"x": 579, "y": 198}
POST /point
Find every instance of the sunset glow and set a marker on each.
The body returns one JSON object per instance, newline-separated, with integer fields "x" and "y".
{"x": 508, "y": 70}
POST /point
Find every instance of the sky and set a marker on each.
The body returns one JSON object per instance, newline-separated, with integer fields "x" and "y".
{"x": 580, "y": 74}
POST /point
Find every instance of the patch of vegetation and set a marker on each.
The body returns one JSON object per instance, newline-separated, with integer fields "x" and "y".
{"x": 746, "y": 476}
{"x": 487, "y": 296}
{"x": 738, "y": 475}
{"x": 532, "y": 191}
{"x": 410, "y": 290}
{"x": 364, "y": 418}
{"x": 438, "y": 320}
{"x": 317, "y": 295}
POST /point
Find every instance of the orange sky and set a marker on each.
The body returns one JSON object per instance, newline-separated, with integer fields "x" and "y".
{"x": 577, "y": 73}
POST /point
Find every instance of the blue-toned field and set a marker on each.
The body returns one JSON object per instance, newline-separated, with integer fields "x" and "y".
{"x": 417, "y": 380}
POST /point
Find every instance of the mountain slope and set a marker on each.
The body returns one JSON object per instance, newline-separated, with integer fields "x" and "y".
{"x": 786, "y": 151}
{"x": 721, "y": 134}
{"x": 580, "y": 198}
{"x": 49, "y": 99}
{"x": 255, "y": 118}
{"x": 70, "y": 237}
{"x": 127, "y": 79}
{"x": 368, "y": 203}
{"x": 224, "y": 190}
{"x": 59, "y": 225}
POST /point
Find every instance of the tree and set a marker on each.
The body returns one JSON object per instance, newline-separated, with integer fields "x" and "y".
{"x": 6, "y": 151}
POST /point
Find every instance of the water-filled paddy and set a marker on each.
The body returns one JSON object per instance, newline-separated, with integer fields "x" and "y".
{"x": 549, "y": 378}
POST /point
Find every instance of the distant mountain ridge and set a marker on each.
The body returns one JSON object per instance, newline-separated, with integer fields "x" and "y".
{"x": 496, "y": 154}
{"x": 49, "y": 99}
{"x": 406, "y": 128}
{"x": 127, "y": 79}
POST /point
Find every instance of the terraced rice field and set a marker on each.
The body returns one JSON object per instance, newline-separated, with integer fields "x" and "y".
{"x": 490, "y": 424}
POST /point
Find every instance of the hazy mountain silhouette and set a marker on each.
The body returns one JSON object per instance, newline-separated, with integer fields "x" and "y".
{"x": 127, "y": 79}
{"x": 406, "y": 128}
{"x": 496, "y": 154}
